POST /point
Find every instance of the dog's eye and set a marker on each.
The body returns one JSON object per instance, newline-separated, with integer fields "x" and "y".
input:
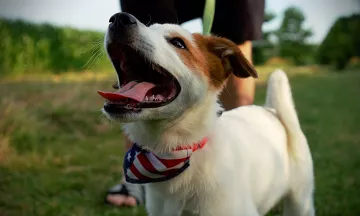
{"x": 177, "y": 42}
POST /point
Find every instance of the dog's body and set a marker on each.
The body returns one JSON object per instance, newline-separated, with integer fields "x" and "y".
{"x": 247, "y": 166}
{"x": 254, "y": 157}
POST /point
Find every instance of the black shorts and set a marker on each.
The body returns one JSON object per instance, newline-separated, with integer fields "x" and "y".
{"x": 237, "y": 20}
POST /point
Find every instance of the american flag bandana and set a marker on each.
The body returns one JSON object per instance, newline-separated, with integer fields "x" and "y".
{"x": 142, "y": 166}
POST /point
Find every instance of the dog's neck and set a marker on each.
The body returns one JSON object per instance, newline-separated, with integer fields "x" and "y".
{"x": 166, "y": 135}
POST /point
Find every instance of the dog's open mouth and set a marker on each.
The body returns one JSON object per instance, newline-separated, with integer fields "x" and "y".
{"x": 143, "y": 84}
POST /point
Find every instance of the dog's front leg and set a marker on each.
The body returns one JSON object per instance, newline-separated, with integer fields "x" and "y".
{"x": 211, "y": 211}
{"x": 230, "y": 211}
{"x": 229, "y": 207}
{"x": 160, "y": 205}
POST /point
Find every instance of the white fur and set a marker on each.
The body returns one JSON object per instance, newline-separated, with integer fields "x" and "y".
{"x": 255, "y": 156}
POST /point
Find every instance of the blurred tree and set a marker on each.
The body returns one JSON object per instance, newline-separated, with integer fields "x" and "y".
{"x": 341, "y": 43}
{"x": 292, "y": 37}
{"x": 263, "y": 49}
{"x": 358, "y": 2}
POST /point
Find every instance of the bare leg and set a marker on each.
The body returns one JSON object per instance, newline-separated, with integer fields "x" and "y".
{"x": 119, "y": 199}
{"x": 239, "y": 92}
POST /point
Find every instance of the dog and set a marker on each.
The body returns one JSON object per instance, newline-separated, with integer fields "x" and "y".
{"x": 191, "y": 159}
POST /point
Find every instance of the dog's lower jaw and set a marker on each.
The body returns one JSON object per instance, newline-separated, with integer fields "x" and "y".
{"x": 165, "y": 135}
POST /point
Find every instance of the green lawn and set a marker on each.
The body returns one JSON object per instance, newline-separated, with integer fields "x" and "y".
{"x": 58, "y": 154}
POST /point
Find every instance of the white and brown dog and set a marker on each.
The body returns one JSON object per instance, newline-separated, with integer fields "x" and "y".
{"x": 192, "y": 160}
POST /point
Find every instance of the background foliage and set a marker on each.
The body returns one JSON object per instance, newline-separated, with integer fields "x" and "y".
{"x": 42, "y": 48}
{"x": 341, "y": 43}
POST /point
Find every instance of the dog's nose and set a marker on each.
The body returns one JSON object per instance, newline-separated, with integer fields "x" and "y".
{"x": 121, "y": 20}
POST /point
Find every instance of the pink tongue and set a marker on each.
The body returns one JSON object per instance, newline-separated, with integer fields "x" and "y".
{"x": 133, "y": 90}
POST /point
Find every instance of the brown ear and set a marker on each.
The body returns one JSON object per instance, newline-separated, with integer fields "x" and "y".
{"x": 232, "y": 58}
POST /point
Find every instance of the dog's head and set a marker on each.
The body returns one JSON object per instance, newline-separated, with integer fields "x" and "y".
{"x": 163, "y": 70}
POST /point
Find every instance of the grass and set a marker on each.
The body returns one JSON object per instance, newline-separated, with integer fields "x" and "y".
{"x": 58, "y": 155}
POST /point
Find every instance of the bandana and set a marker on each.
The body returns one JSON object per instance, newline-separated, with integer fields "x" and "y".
{"x": 143, "y": 166}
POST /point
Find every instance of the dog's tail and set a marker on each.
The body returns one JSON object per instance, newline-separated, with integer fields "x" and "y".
{"x": 299, "y": 201}
{"x": 279, "y": 97}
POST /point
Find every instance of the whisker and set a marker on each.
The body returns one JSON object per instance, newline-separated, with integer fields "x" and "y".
{"x": 91, "y": 58}
{"x": 149, "y": 20}
{"x": 227, "y": 90}
{"x": 225, "y": 87}
{"x": 177, "y": 18}
{"x": 100, "y": 40}
{"x": 96, "y": 59}
{"x": 95, "y": 46}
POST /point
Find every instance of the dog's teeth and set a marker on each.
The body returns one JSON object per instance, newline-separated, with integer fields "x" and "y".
{"x": 152, "y": 97}
{"x": 158, "y": 97}
{"x": 146, "y": 98}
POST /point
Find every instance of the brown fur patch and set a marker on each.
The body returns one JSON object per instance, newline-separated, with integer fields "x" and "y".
{"x": 215, "y": 57}
{"x": 192, "y": 57}
{"x": 214, "y": 68}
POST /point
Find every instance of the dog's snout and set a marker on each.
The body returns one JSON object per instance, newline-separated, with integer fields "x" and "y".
{"x": 121, "y": 20}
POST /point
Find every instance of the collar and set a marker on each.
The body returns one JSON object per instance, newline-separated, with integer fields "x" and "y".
{"x": 143, "y": 166}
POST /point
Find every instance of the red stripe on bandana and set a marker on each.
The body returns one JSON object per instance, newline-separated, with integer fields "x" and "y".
{"x": 172, "y": 163}
{"x": 147, "y": 164}
{"x": 136, "y": 172}
{"x": 157, "y": 168}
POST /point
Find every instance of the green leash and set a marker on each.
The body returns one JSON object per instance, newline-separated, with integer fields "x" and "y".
{"x": 208, "y": 18}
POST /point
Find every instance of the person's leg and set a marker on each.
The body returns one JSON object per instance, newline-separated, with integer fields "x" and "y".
{"x": 239, "y": 92}
{"x": 125, "y": 194}
{"x": 241, "y": 22}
